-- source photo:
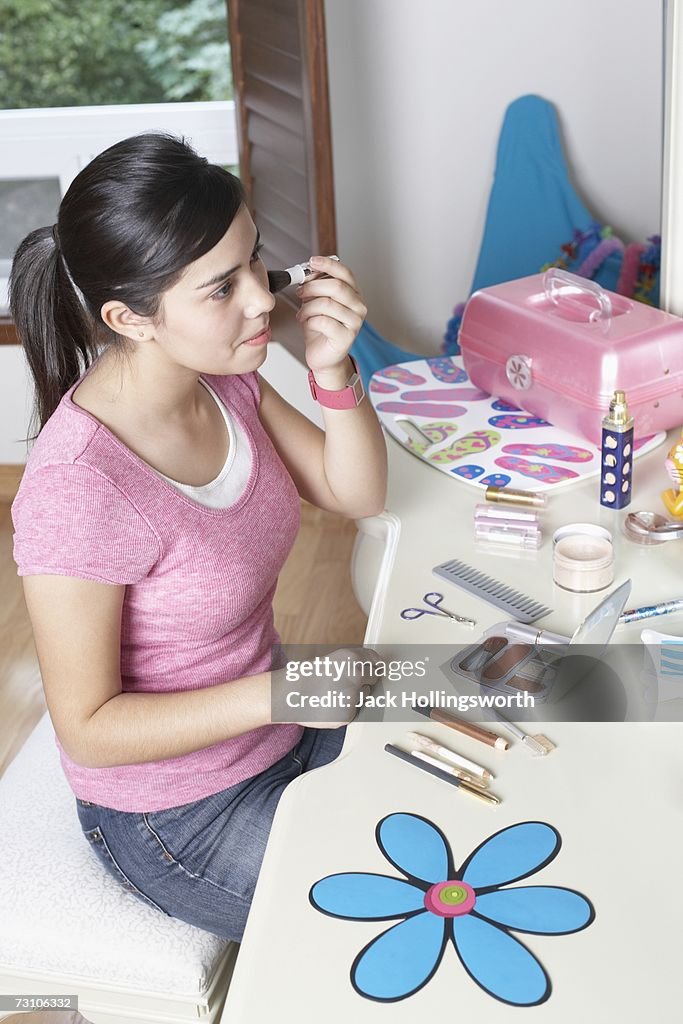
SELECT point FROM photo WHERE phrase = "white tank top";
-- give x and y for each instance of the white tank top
(230, 483)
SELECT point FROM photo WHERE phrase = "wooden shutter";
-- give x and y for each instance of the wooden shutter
(279, 60)
(8, 334)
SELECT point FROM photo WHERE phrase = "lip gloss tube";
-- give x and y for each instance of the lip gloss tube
(507, 526)
(509, 533)
(492, 513)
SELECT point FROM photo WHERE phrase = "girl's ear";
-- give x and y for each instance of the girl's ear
(122, 320)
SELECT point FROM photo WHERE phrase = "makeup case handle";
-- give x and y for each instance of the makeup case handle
(556, 283)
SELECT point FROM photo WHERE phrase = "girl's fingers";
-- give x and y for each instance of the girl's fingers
(334, 289)
(333, 330)
(328, 307)
(336, 269)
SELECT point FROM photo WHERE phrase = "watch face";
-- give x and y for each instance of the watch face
(356, 385)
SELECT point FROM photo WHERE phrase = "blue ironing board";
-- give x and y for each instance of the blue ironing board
(533, 207)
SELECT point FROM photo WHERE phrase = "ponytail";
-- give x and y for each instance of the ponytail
(130, 223)
(54, 329)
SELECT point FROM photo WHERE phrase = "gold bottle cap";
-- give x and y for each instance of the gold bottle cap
(618, 410)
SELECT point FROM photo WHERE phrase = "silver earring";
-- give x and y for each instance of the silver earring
(141, 334)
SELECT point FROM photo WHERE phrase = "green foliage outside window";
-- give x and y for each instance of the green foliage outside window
(67, 53)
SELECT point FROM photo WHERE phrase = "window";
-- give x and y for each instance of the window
(125, 66)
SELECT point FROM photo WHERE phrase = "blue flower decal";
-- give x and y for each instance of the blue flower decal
(470, 907)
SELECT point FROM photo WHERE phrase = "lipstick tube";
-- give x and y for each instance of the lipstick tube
(510, 496)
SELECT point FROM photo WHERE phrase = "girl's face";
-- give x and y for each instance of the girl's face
(210, 316)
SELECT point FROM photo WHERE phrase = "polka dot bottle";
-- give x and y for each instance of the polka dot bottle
(616, 454)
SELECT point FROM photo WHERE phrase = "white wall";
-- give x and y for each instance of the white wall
(418, 93)
(16, 397)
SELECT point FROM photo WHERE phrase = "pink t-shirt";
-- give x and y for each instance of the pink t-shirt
(199, 582)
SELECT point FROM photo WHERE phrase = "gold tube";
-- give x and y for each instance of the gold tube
(488, 798)
(509, 496)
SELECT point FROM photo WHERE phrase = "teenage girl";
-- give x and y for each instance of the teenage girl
(159, 503)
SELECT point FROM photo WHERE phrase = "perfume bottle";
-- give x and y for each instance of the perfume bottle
(616, 456)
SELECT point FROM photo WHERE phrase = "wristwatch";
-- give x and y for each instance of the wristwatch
(346, 398)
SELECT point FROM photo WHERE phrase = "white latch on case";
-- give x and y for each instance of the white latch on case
(518, 372)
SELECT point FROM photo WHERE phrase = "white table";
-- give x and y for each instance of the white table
(614, 791)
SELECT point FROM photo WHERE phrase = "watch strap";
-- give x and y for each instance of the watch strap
(347, 397)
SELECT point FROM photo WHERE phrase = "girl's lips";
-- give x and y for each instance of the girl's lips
(261, 339)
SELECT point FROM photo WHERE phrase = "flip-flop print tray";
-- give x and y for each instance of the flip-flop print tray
(431, 407)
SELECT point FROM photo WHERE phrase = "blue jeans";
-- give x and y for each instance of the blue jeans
(200, 862)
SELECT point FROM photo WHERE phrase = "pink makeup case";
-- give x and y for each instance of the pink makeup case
(559, 346)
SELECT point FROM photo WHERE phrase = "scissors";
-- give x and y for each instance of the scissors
(434, 601)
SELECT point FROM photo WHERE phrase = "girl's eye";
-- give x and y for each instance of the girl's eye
(223, 291)
(226, 288)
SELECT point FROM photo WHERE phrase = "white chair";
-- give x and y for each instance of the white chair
(67, 927)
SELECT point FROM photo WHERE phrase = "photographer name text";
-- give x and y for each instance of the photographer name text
(407, 699)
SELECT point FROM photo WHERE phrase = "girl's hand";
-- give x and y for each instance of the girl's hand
(356, 670)
(357, 680)
(332, 311)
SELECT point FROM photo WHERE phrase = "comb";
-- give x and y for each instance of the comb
(517, 605)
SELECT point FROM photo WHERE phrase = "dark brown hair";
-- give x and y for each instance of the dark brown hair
(129, 224)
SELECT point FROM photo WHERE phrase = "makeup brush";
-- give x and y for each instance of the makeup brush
(278, 280)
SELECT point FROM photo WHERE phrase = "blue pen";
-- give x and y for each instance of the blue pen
(650, 611)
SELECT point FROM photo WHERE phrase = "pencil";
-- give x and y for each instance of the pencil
(469, 780)
(475, 732)
(488, 798)
(449, 756)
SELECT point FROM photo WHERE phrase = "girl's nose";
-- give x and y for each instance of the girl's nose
(259, 301)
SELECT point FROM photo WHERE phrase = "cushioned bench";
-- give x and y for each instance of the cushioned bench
(66, 926)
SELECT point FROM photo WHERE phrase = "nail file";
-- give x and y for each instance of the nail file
(517, 605)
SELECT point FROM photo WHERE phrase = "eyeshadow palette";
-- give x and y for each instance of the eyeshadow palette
(508, 667)
(503, 662)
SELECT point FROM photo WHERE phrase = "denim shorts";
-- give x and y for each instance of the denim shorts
(200, 862)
